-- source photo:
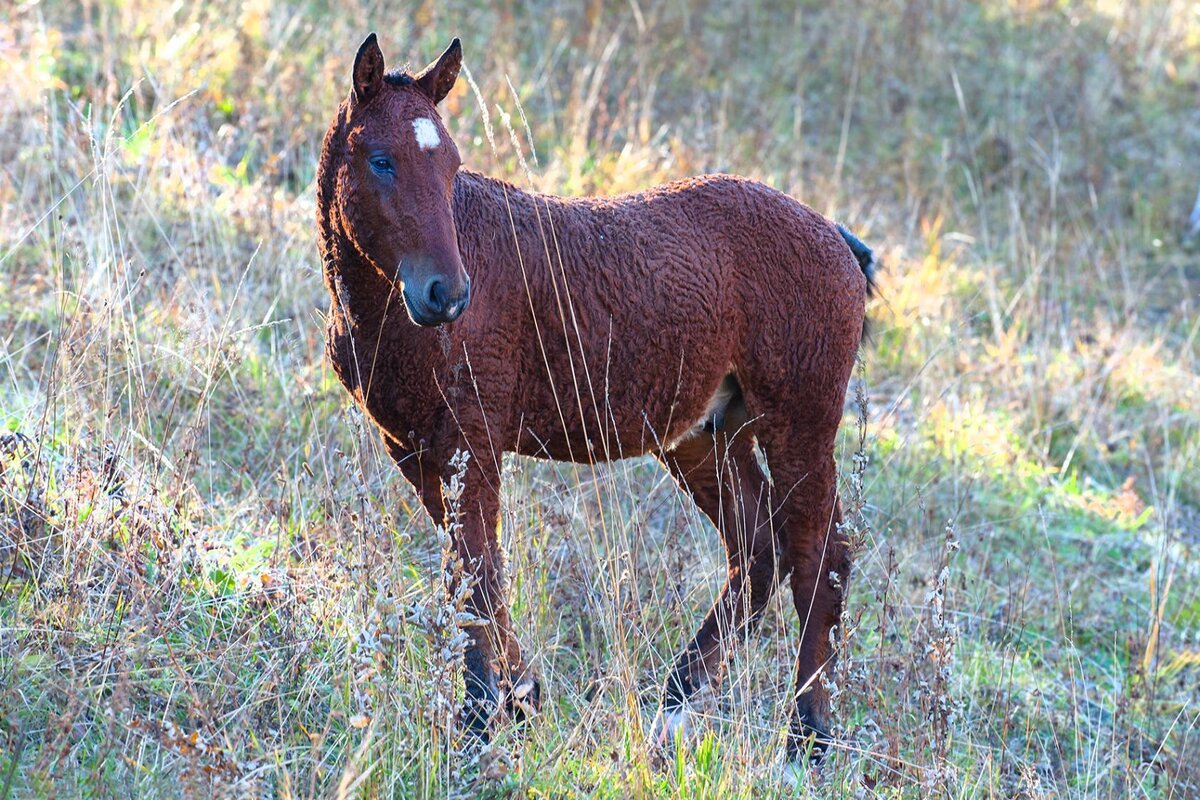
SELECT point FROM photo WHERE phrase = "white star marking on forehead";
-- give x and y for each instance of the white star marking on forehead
(427, 134)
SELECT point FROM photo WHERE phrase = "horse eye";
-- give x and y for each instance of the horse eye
(382, 165)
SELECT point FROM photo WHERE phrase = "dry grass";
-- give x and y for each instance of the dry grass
(212, 580)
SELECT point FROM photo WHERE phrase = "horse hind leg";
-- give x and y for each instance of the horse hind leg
(719, 470)
(818, 554)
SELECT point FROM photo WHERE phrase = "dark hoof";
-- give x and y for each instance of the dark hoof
(671, 729)
(475, 724)
(808, 740)
(524, 700)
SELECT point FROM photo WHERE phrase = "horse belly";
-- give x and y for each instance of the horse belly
(628, 410)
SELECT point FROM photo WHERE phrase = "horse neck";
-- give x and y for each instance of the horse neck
(484, 207)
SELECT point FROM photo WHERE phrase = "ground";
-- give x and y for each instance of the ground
(212, 580)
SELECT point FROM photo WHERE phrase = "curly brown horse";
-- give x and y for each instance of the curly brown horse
(694, 321)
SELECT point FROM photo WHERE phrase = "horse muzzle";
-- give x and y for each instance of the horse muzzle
(438, 301)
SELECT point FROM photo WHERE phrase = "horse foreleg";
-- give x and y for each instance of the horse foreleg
(494, 671)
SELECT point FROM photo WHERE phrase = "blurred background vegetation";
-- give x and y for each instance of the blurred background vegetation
(211, 580)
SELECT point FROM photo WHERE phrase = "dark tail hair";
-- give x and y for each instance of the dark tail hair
(865, 256)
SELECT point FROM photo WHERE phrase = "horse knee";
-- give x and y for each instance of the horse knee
(838, 575)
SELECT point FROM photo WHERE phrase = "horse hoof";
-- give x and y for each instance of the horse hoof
(795, 774)
(525, 700)
(808, 742)
(474, 733)
(670, 726)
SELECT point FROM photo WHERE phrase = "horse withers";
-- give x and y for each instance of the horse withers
(694, 321)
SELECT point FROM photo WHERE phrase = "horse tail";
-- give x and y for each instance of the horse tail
(864, 255)
(866, 262)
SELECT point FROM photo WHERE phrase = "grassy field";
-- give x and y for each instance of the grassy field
(212, 581)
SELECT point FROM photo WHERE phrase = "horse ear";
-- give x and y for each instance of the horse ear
(438, 78)
(368, 69)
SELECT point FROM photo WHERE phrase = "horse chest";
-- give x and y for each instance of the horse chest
(400, 394)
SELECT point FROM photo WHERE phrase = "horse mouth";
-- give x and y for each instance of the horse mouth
(428, 317)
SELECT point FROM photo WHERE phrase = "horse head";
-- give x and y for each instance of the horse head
(394, 177)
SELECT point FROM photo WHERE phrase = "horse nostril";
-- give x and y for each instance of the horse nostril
(437, 295)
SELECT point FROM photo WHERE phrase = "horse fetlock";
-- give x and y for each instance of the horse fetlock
(481, 696)
(687, 679)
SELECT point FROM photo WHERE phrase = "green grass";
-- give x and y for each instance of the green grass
(213, 581)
